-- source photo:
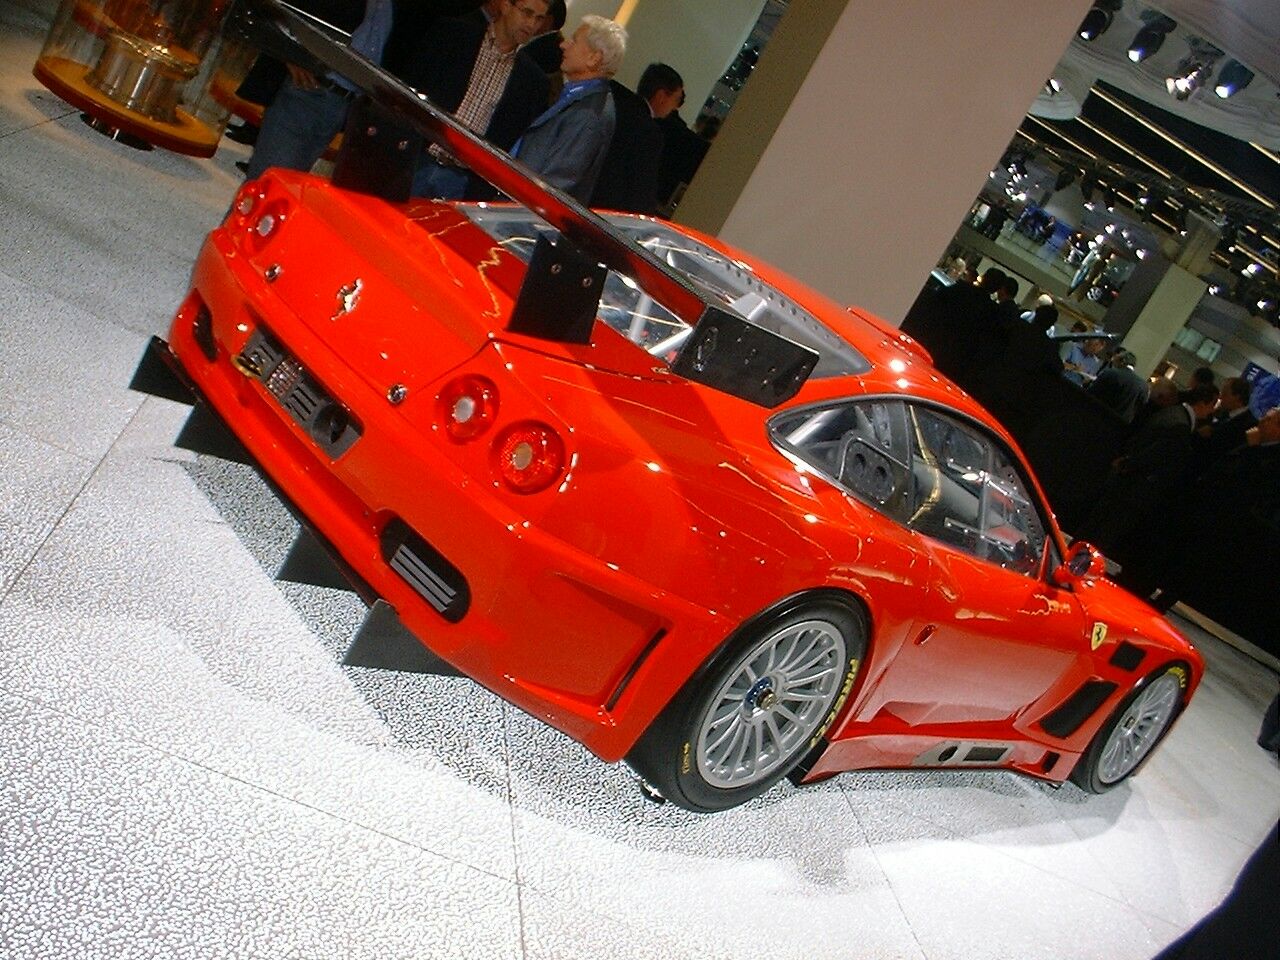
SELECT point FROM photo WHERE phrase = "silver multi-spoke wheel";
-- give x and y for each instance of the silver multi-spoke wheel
(772, 700)
(1139, 728)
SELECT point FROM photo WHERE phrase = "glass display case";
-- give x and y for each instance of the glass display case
(148, 72)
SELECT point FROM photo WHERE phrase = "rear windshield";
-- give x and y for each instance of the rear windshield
(634, 314)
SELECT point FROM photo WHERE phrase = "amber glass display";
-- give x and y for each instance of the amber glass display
(154, 70)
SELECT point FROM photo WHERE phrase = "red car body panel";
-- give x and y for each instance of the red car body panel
(676, 519)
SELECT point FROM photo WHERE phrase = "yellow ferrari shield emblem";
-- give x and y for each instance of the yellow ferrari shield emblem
(1098, 636)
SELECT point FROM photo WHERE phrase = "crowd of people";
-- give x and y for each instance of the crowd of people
(504, 70)
(1195, 465)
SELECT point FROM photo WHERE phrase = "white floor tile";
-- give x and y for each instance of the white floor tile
(38, 482)
(965, 900)
(112, 849)
(26, 103)
(65, 374)
(198, 652)
(790, 869)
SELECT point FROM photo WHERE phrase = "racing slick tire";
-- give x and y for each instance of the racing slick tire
(1132, 731)
(757, 708)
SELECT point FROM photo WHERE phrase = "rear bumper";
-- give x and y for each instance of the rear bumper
(589, 649)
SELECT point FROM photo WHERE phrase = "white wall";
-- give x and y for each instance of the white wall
(699, 38)
(863, 180)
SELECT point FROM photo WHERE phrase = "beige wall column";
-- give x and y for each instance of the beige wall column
(866, 131)
(1175, 297)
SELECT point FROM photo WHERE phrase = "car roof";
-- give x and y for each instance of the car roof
(898, 366)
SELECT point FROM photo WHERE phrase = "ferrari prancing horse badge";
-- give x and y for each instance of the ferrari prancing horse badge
(1098, 636)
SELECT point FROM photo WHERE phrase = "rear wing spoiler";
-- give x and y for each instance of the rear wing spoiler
(561, 292)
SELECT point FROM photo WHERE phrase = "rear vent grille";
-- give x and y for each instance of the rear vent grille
(424, 568)
(328, 422)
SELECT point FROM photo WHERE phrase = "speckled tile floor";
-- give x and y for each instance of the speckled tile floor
(185, 769)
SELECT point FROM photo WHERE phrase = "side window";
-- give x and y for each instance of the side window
(967, 492)
(862, 446)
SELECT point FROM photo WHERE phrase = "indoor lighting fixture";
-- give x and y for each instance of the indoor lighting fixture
(1191, 75)
(1151, 37)
(1233, 78)
(1193, 70)
(1098, 19)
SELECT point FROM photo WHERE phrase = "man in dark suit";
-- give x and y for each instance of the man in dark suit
(1227, 427)
(476, 71)
(1119, 386)
(629, 178)
(1145, 479)
(566, 145)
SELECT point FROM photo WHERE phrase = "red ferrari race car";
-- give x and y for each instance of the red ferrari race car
(652, 491)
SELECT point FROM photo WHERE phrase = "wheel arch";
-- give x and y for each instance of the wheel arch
(779, 608)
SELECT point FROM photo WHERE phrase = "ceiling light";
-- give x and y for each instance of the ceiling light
(1190, 76)
(1098, 19)
(1150, 38)
(1233, 78)
(1095, 24)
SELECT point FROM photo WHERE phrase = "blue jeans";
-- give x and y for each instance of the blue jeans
(437, 180)
(297, 128)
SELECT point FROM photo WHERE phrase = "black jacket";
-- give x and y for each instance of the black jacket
(629, 178)
(440, 66)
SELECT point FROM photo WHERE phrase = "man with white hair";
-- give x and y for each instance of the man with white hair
(567, 144)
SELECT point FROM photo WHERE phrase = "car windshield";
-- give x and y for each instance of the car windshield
(634, 314)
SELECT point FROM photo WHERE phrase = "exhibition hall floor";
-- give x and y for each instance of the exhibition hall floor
(186, 770)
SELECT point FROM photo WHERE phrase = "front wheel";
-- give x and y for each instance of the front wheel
(1132, 732)
(742, 723)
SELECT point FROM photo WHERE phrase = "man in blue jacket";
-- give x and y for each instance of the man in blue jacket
(566, 145)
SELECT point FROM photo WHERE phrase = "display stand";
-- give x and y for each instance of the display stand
(145, 73)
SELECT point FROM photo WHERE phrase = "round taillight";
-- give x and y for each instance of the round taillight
(467, 407)
(528, 456)
(266, 224)
(244, 206)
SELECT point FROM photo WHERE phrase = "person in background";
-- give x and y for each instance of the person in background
(545, 47)
(629, 178)
(1083, 360)
(1007, 302)
(476, 71)
(567, 143)
(1144, 480)
(308, 110)
(1227, 427)
(1044, 300)
(662, 88)
(682, 149)
(1119, 386)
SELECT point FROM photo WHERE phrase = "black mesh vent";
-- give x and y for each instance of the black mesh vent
(1127, 656)
(1078, 708)
(328, 422)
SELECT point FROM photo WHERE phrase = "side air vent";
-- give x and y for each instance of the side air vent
(426, 570)
(1127, 656)
(985, 754)
(1077, 708)
(964, 753)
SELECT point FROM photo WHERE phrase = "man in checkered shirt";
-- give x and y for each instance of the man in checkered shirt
(476, 71)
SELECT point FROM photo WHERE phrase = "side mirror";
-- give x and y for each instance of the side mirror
(1082, 560)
